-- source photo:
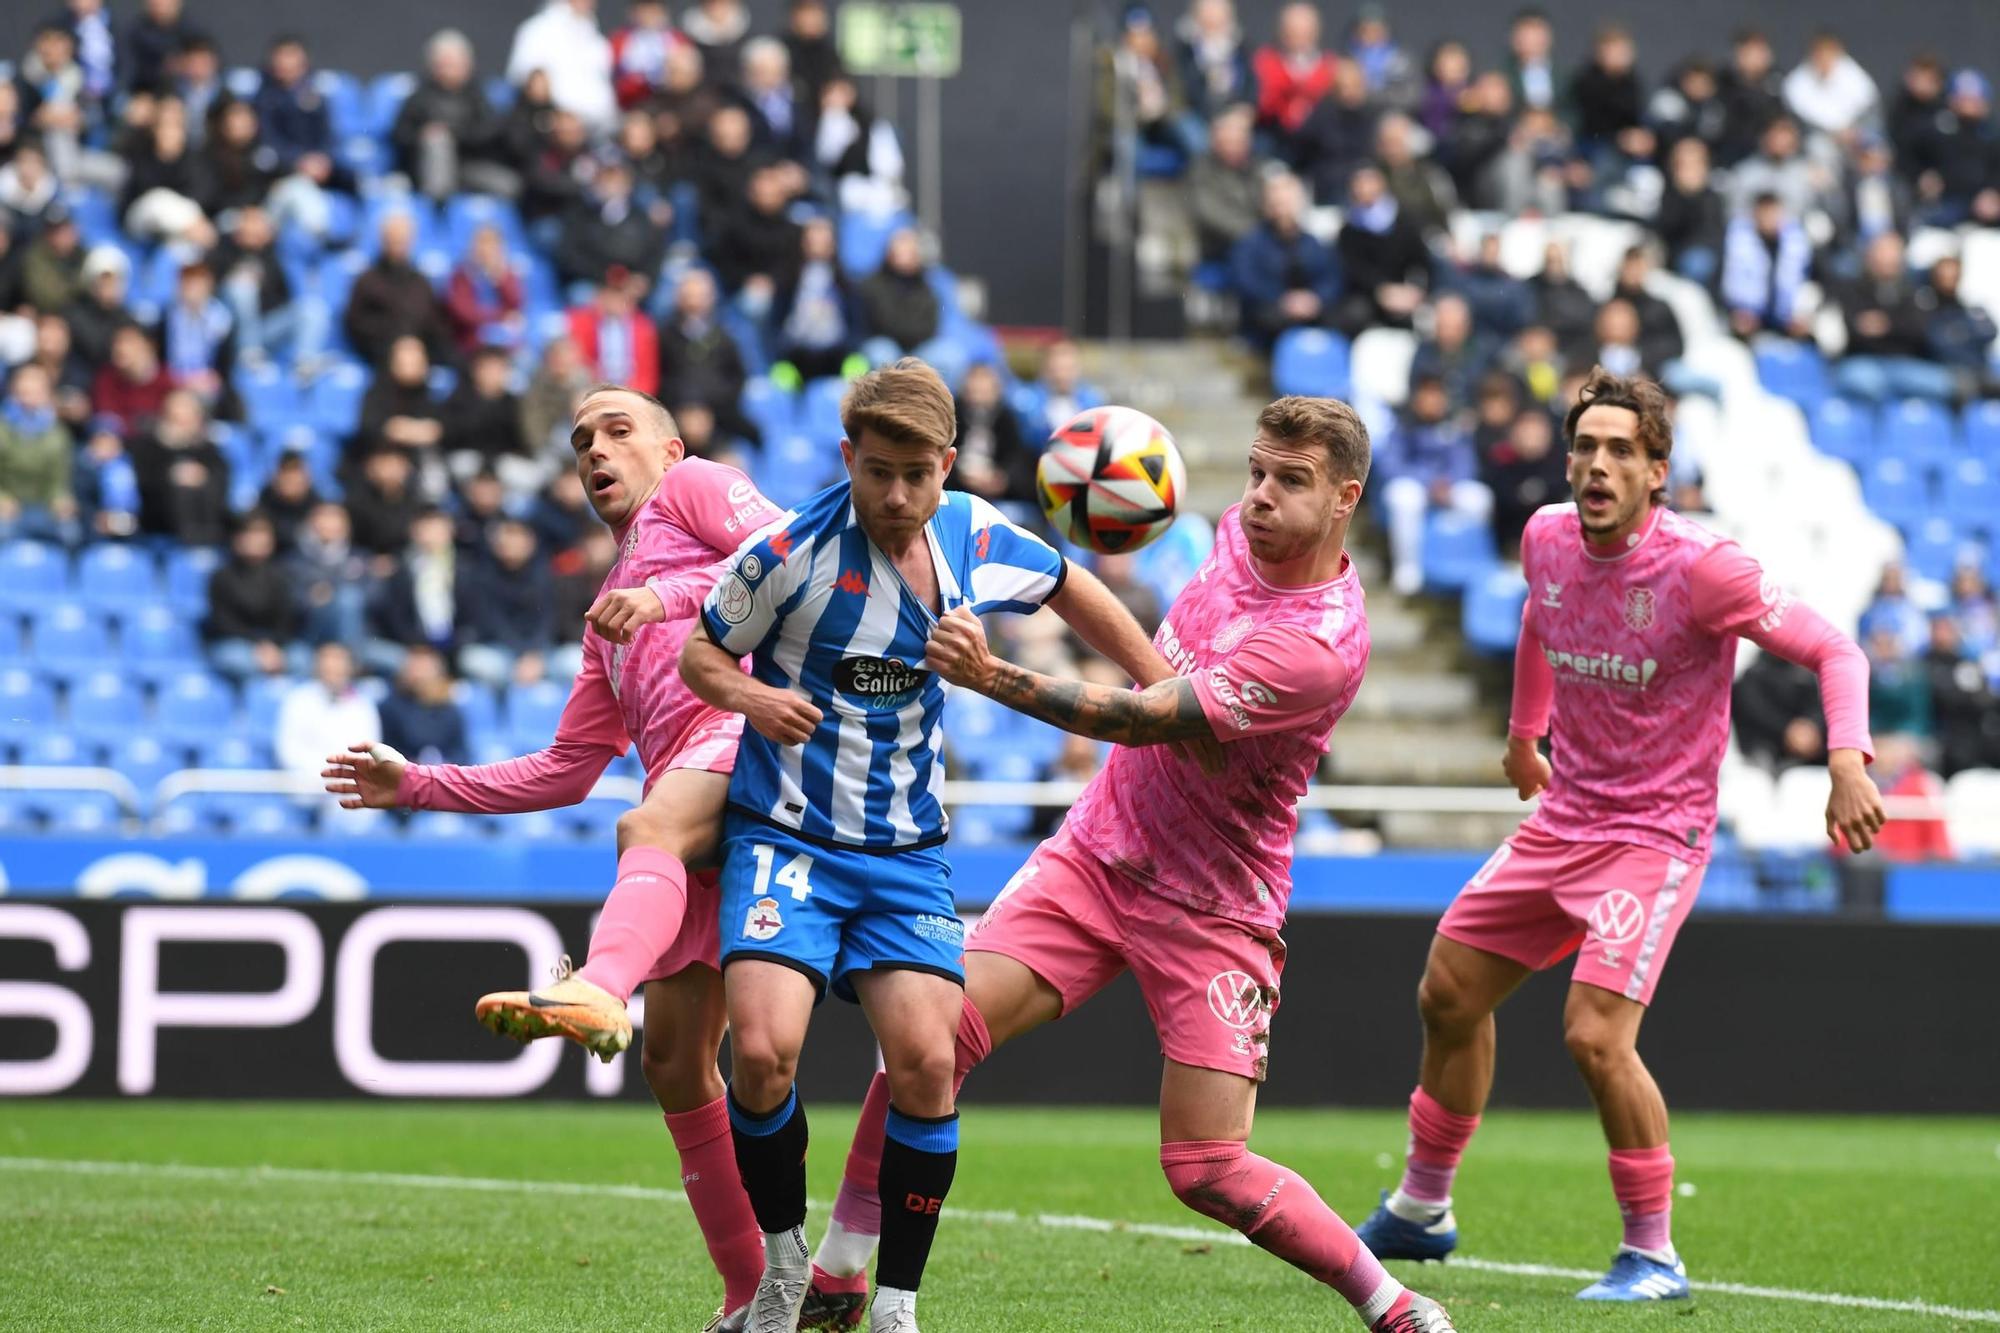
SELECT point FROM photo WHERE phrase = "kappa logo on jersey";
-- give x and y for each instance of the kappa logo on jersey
(1236, 999)
(1639, 607)
(1552, 595)
(732, 601)
(1615, 918)
(1604, 668)
(780, 544)
(1233, 634)
(985, 542)
(851, 581)
(885, 682)
(763, 921)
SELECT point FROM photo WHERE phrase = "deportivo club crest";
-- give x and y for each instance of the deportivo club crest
(1639, 607)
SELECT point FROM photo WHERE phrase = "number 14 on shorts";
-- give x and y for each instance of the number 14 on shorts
(795, 874)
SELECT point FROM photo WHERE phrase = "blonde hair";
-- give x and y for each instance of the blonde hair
(906, 403)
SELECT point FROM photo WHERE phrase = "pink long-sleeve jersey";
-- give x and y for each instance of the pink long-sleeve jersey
(625, 693)
(1636, 650)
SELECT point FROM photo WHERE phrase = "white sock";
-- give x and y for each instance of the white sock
(786, 1249)
(844, 1253)
(890, 1298)
(1666, 1256)
(1424, 1211)
(1378, 1305)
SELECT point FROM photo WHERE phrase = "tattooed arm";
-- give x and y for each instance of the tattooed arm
(1163, 712)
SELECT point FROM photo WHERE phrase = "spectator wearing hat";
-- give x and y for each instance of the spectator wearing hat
(52, 264)
(105, 277)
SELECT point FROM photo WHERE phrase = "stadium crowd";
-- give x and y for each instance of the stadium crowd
(1789, 193)
(316, 342)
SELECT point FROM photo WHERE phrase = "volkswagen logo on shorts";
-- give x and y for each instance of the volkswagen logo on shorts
(1235, 998)
(1614, 918)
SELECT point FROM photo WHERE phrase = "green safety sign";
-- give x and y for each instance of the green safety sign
(917, 41)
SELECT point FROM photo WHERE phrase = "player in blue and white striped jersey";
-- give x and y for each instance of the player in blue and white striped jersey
(832, 870)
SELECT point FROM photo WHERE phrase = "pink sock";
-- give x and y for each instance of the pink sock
(1437, 1140)
(640, 920)
(858, 1206)
(1643, 1181)
(975, 1043)
(715, 1192)
(1281, 1213)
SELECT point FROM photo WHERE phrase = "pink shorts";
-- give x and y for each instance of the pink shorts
(1210, 983)
(1619, 906)
(709, 747)
(700, 940)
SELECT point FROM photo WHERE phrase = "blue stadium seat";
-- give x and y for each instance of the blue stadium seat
(144, 760)
(111, 576)
(266, 815)
(188, 572)
(197, 812)
(532, 713)
(1972, 495)
(951, 353)
(27, 703)
(386, 95)
(1311, 362)
(1793, 370)
(194, 706)
(262, 697)
(95, 213)
(335, 402)
(447, 825)
(104, 705)
(338, 271)
(236, 752)
(12, 636)
(1896, 490)
(794, 466)
(82, 812)
(376, 209)
(465, 214)
(1981, 424)
(31, 573)
(594, 819)
(819, 411)
(346, 101)
(157, 280)
(159, 643)
(270, 398)
(864, 240)
(1931, 548)
(774, 411)
(18, 814)
(57, 749)
(478, 704)
(1919, 430)
(1458, 551)
(1492, 612)
(68, 639)
(1845, 429)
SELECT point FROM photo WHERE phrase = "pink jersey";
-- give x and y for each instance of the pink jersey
(1637, 651)
(625, 692)
(1274, 669)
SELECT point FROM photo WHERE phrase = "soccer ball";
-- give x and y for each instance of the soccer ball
(1111, 479)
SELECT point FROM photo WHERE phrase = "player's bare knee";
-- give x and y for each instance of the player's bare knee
(643, 826)
(1441, 1002)
(1597, 1047)
(920, 1082)
(758, 1069)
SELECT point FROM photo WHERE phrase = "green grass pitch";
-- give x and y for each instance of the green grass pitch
(568, 1220)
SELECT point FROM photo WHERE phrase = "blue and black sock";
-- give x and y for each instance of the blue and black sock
(771, 1155)
(919, 1157)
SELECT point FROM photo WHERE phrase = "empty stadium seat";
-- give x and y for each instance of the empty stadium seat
(1981, 428)
(18, 815)
(31, 573)
(1919, 430)
(236, 752)
(1457, 550)
(1972, 495)
(465, 214)
(1896, 490)
(1311, 362)
(793, 467)
(864, 240)
(1491, 614)
(111, 575)
(819, 411)
(1793, 370)
(158, 642)
(1931, 548)
(262, 697)
(13, 638)
(188, 571)
(83, 813)
(532, 712)
(446, 825)
(194, 706)
(270, 398)
(1844, 429)
(265, 815)
(197, 812)
(69, 639)
(27, 703)
(105, 705)
(774, 411)
(56, 749)
(144, 760)
(334, 405)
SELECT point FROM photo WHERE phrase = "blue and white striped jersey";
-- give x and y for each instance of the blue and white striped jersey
(821, 611)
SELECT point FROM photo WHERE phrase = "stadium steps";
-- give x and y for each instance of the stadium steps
(1404, 751)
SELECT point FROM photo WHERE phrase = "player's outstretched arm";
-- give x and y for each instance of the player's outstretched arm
(1102, 621)
(718, 680)
(1162, 712)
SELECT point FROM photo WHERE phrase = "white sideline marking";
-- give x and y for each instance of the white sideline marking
(995, 1216)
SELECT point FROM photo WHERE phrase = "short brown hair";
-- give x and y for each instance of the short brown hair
(907, 403)
(1636, 394)
(1327, 422)
(666, 419)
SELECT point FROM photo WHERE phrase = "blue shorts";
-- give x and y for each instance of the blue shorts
(830, 912)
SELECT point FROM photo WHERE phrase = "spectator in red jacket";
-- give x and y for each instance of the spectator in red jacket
(483, 299)
(129, 391)
(639, 51)
(1900, 769)
(614, 337)
(1295, 74)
